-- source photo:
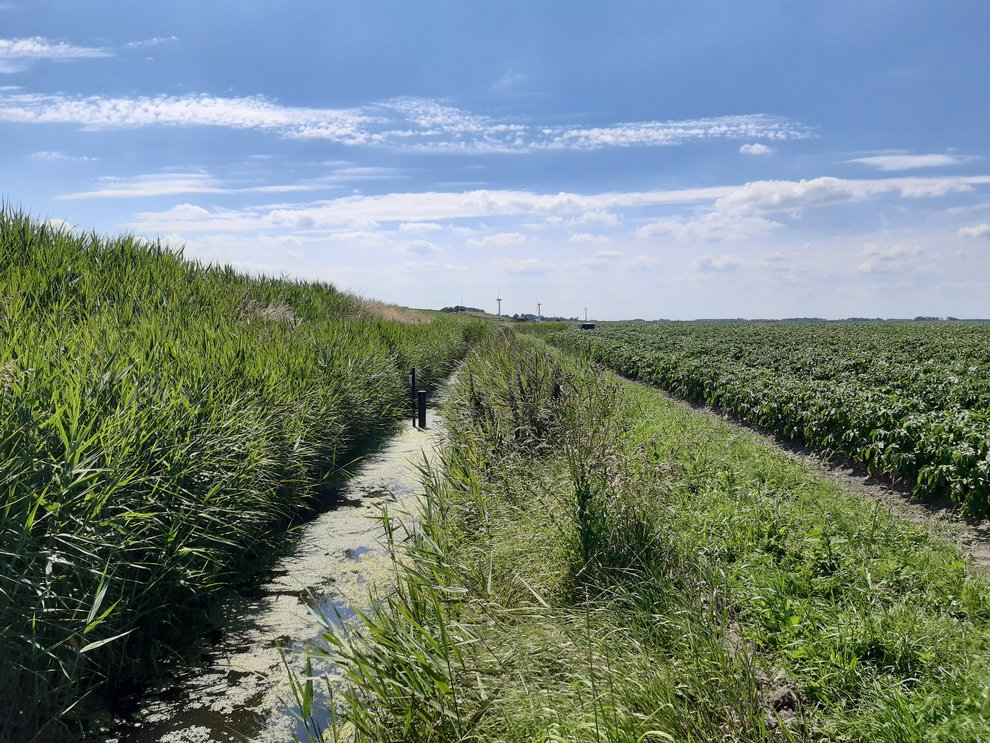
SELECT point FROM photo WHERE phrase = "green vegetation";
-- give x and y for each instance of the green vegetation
(911, 400)
(597, 562)
(159, 421)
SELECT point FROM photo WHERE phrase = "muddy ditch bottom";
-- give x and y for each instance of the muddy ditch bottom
(240, 689)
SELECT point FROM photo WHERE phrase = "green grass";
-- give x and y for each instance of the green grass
(598, 562)
(160, 420)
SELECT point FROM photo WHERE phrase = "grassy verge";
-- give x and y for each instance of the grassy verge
(600, 563)
(159, 421)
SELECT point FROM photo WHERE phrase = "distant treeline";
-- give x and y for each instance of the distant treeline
(526, 317)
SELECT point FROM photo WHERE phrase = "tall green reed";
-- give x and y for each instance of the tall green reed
(160, 420)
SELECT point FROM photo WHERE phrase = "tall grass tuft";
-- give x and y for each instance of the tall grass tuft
(160, 419)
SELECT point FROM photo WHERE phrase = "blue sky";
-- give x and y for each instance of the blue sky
(644, 159)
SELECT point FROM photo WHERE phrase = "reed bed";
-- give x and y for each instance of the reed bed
(160, 420)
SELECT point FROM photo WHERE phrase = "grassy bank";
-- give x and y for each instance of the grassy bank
(600, 563)
(159, 420)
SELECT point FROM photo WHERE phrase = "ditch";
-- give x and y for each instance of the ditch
(240, 689)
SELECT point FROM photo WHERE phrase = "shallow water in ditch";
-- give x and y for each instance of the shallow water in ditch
(240, 690)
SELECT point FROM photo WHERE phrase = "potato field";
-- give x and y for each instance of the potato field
(910, 399)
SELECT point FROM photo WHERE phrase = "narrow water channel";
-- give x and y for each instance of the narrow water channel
(240, 691)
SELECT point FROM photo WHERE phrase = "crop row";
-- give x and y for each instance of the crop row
(911, 400)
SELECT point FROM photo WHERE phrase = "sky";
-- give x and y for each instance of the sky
(644, 159)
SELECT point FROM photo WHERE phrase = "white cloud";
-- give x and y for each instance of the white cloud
(770, 196)
(500, 239)
(56, 156)
(584, 238)
(602, 216)
(980, 230)
(235, 113)
(400, 123)
(156, 41)
(899, 250)
(711, 226)
(756, 149)
(719, 263)
(659, 133)
(18, 54)
(170, 184)
(165, 184)
(883, 259)
(429, 206)
(735, 205)
(420, 227)
(911, 162)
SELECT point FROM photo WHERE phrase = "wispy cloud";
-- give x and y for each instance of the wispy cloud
(402, 123)
(586, 238)
(57, 156)
(601, 216)
(912, 162)
(711, 226)
(165, 184)
(428, 206)
(756, 149)
(772, 196)
(741, 212)
(420, 227)
(100, 112)
(717, 263)
(17, 55)
(980, 230)
(897, 258)
(657, 133)
(733, 212)
(171, 184)
(500, 239)
(156, 41)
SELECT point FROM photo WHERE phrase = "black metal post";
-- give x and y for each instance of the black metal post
(412, 392)
(422, 408)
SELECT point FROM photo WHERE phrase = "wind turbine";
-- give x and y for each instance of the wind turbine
(499, 300)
